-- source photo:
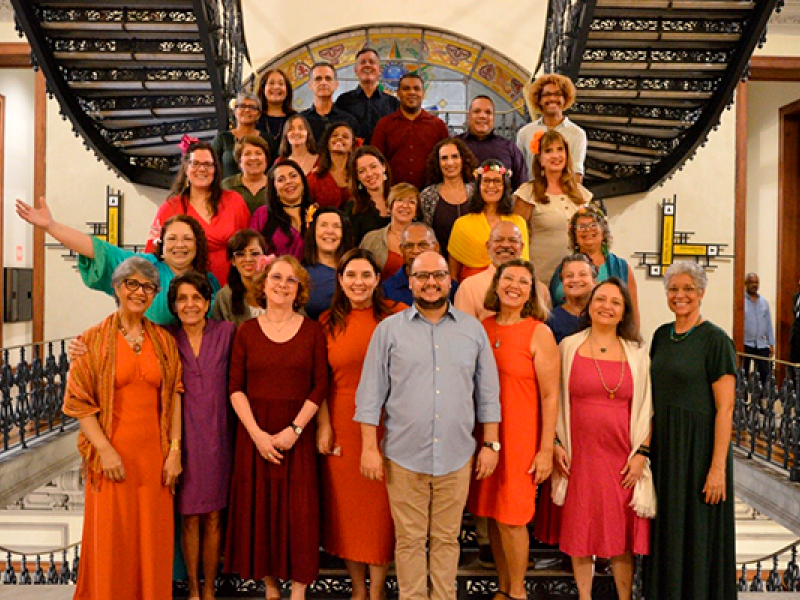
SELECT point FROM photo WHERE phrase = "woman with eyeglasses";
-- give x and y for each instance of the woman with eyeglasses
(182, 246)
(384, 243)
(246, 113)
(360, 532)
(328, 238)
(549, 200)
(238, 301)
(490, 203)
(278, 379)
(197, 192)
(590, 234)
(124, 390)
(693, 368)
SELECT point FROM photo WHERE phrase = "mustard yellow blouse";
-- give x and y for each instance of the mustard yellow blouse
(470, 234)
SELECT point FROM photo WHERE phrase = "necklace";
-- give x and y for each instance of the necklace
(679, 337)
(274, 323)
(135, 343)
(611, 393)
(497, 336)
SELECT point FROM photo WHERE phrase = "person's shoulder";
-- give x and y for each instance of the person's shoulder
(714, 331)
(465, 320)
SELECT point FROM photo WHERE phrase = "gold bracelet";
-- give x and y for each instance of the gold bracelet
(175, 444)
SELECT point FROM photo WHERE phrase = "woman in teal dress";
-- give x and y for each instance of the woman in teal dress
(181, 247)
(693, 371)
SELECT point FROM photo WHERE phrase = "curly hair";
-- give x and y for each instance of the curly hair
(325, 162)
(532, 308)
(197, 280)
(238, 242)
(277, 217)
(506, 204)
(310, 251)
(251, 140)
(285, 149)
(360, 194)
(626, 328)
(533, 91)
(594, 213)
(340, 305)
(200, 261)
(303, 282)
(433, 167)
(181, 186)
(568, 183)
(286, 105)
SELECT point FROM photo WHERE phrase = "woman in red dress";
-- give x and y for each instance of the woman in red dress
(278, 378)
(361, 532)
(527, 362)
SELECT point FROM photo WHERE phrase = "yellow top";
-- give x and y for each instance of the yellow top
(470, 234)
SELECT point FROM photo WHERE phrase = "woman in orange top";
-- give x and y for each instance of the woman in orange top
(125, 393)
(357, 523)
(528, 365)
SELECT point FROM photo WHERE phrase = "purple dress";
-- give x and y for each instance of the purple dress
(209, 423)
(283, 244)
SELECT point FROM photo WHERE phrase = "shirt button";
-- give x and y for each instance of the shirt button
(437, 368)
(437, 416)
(436, 346)
(438, 392)
(435, 439)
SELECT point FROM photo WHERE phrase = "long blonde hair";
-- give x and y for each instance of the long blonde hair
(568, 183)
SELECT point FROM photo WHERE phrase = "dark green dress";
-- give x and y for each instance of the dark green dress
(693, 543)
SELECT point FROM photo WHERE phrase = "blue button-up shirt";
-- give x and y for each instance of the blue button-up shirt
(431, 382)
(758, 331)
(396, 288)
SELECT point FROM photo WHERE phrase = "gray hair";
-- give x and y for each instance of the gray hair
(133, 265)
(422, 224)
(690, 268)
(248, 96)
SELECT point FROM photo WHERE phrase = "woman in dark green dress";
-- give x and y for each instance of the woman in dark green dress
(693, 367)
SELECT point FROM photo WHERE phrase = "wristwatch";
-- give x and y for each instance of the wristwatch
(296, 428)
(493, 445)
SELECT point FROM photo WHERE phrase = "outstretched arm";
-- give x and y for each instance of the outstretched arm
(41, 217)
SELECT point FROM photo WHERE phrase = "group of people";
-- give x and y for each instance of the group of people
(347, 362)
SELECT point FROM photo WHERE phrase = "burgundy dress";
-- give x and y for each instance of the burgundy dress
(208, 420)
(597, 519)
(273, 521)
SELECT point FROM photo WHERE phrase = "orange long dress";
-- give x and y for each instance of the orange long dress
(128, 526)
(509, 495)
(356, 521)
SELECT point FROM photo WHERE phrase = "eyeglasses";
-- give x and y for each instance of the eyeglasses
(196, 164)
(423, 245)
(505, 240)
(408, 201)
(423, 276)
(491, 182)
(587, 226)
(247, 107)
(133, 284)
(687, 289)
(558, 94)
(248, 253)
(524, 281)
(277, 279)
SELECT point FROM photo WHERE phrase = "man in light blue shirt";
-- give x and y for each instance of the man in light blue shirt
(759, 337)
(430, 373)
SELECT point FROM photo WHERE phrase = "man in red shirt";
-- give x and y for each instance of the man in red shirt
(407, 136)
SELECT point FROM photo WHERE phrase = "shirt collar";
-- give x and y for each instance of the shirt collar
(413, 312)
(470, 136)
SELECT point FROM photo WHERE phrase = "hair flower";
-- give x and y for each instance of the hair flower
(310, 213)
(186, 141)
(483, 169)
(264, 261)
(536, 141)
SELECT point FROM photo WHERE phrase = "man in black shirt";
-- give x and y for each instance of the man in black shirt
(368, 102)
(323, 84)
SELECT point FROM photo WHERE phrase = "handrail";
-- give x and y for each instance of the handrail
(53, 341)
(783, 550)
(53, 551)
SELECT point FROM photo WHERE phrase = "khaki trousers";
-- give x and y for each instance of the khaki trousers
(426, 506)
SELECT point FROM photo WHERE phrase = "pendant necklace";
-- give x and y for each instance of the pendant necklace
(135, 343)
(497, 336)
(612, 393)
(679, 337)
(273, 323)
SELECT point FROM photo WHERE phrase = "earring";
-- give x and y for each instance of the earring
(360, 185)
(385, 177)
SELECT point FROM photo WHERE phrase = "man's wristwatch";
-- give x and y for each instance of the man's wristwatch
(493, 445)
(296, 428)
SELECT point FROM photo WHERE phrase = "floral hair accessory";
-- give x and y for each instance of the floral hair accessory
(483, 169)
(186, 141)
(536, 142)
(310, 213)
(264, 261)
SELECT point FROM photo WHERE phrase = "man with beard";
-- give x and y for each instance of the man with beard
(504, 244)
(430, 372)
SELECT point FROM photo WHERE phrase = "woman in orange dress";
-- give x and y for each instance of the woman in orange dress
(356, 521)
(528, 365)
(125, 393)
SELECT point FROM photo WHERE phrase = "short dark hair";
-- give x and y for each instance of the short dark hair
(252, 140)
(321, 64)
(410, 75)
(197, 280)
(367, 49)
(481, 97)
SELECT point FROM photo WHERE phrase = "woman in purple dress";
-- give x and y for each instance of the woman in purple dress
(208, 426)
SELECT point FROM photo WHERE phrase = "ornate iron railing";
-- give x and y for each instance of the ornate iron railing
(565, 37)
(788, 581)
(58, 572)
(32, 382)
(766, 417)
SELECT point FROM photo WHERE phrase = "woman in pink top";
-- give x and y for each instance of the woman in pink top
(197, 192)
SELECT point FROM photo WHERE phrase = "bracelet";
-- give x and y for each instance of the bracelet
(644, 451)
(557, 442)
(175, 444)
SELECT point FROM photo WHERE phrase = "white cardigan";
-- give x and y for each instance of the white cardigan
(644, 495)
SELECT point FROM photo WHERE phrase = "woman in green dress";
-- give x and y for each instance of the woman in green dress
(693, 369)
